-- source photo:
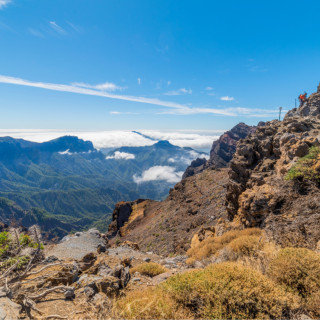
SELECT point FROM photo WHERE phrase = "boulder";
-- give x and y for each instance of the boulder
(9, 309)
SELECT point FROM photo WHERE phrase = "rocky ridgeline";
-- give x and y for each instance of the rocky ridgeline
(222, 150)
(258, 193)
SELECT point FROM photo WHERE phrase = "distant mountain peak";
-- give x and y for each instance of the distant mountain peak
(71, 143)
(164, 144)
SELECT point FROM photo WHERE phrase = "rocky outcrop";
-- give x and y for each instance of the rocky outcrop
(195, 167)
(120, 216)
(308, 108)
(258, 193)
(222, 150)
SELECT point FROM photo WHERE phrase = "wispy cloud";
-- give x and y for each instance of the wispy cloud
(209, 88)
(107, 86)
(139, 81)
(227, 98)
(232, 112)
(179, 92)
(176, 108)
(56, 27)
(258, 69)
(122, 112)
(254, 67)
(74, 27)
(87, 91)
(4, 3)
(36, 33)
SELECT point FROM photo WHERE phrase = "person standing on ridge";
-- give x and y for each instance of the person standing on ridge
(302, 98)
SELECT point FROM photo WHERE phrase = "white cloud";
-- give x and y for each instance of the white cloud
(65, 152)
(120, 112)
(209, 88)
(121, 156)
(56, 27)
(227, 98)
(139, 81)
(179, 92)
(168, 83)
(4, 3)
(201, 140)
(188, 159)
(195, 140)
(107, 86)
(159, 173)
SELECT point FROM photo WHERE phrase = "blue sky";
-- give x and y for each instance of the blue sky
(147, 64)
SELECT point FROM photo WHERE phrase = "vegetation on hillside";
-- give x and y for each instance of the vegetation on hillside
(235, 243)
(14, 253)
(307, 168)
(150, 269)
(250, 278)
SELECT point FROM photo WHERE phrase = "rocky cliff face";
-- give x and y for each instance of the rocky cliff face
(222, 150)
(168, 226)
(253, 192)
(258, 193)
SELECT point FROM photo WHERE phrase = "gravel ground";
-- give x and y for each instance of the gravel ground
(76, 246)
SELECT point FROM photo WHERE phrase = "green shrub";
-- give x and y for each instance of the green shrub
(150, 269)
(297, 269)
(308, 167)
(230, 291)
(22, 261)
(4, 243)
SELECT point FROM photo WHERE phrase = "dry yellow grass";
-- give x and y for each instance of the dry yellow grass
(149, 304)
(239, 241)
(298, 270)
(150, 269)
(220, 291)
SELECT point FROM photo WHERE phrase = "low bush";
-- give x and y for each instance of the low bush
(238, 240)
(307, 168)
(148, 304)
(150, 269)
(11, 248)
(246, 245)
(297, 269)
(230, 291)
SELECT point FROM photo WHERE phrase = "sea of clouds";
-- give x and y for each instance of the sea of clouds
(196, 139)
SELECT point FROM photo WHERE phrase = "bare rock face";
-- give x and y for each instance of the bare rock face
(258, 194)
(195, 167)
(120, 216)
(222, 150)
